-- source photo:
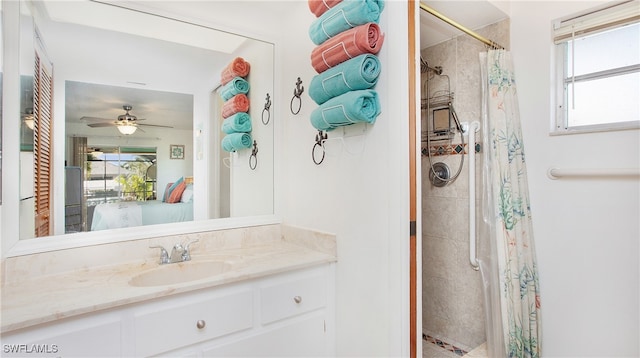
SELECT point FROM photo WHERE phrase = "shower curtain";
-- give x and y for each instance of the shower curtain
(508, 213)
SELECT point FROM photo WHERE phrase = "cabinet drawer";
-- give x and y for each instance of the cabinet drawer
(182, 322)
(293, 296)
(93, 336)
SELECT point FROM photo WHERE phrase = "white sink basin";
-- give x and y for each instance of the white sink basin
(179, 272)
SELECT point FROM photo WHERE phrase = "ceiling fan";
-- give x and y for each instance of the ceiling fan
(126, 123)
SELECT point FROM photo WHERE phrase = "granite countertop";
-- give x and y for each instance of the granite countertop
(88, 290)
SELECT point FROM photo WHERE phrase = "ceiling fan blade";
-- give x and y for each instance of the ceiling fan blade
(154, 125)
(104, 124)
(85, 118)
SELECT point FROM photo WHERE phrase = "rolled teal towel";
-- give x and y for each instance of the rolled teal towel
(236, 86)
(236, 141)
(358, 73)
(349, 108)
(237, 123)
(345, 15)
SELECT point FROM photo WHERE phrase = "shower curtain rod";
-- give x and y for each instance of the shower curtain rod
(486, 41)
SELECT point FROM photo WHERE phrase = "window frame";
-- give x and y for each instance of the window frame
(560, 123)
(117, 150)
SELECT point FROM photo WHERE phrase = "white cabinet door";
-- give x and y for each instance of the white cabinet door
(93, 336)
(304, 338)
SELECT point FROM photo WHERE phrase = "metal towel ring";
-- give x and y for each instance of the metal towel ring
(267, 109)
(321, 137)
(253, 159)
(297, 92)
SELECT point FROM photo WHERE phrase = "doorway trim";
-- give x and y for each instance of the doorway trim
(415, 317)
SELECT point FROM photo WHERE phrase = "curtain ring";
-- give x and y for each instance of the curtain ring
(297, 92)
(320, 138)
(253, 159)
(267, 109)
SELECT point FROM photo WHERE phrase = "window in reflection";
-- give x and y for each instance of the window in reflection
(110, 175)
(120, 174)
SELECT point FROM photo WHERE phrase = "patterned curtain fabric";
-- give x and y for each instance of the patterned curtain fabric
(509, 209)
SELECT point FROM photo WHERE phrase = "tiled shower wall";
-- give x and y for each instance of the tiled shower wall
(452, 301)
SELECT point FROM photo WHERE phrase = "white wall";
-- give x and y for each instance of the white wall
(251, 191)
(10, 129)
(586, 231)
(361, 197)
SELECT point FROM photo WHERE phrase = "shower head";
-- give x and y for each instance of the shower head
(424, 67)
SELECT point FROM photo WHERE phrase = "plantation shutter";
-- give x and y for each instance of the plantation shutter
(42, 145)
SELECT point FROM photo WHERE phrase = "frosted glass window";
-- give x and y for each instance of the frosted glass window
(604, 51)
(598, 73)
(597, 101)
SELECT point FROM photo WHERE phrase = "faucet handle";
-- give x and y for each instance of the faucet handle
(186, 246)
(164, 255)
(186, 254)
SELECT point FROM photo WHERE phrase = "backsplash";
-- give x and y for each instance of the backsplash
(448, 149)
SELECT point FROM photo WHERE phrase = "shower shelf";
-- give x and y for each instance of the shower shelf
(430, 136)
(439, 99)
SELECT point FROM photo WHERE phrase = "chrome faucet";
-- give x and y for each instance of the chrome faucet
(179, 253)
(164, 255)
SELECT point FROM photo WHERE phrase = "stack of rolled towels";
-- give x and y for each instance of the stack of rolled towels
(235, 111)
(348, 37)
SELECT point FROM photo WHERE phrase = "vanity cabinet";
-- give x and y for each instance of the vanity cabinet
(95, 335)
(290, 314)
(285, 314)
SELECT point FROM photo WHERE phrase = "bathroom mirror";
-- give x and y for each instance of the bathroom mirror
(109, 61)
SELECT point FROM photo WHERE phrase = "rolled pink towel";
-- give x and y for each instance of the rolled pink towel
(319, 7)
(237, 103)
(237, 68)
(367, 38)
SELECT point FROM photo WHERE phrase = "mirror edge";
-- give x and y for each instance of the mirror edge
(18, 247)
(11, 129)
(70, 241)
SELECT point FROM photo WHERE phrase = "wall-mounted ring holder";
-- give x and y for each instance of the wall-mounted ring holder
(253, 159)
(267, 110)
(297, 92)
(321, 137)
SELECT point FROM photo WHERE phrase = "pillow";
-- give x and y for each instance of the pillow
(187, 195)
(166, 192)
(176, 194)
(171, 188)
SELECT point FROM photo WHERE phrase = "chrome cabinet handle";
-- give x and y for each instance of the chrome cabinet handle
(200, 324)
(297, 299)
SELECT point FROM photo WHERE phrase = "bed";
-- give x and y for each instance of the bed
(138, 213)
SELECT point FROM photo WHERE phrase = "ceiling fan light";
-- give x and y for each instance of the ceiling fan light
(127, 129)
